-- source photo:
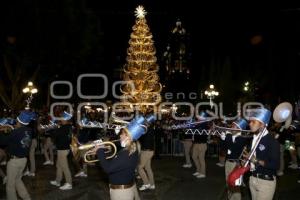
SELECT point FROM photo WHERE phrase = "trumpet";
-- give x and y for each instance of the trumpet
(89, 150)
(6, 124)
(6, 128)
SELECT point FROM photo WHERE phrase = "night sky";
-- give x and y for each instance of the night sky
(261, 44)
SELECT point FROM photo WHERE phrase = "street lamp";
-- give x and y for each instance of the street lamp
(246, 87)
(29, 89)
(211, 93)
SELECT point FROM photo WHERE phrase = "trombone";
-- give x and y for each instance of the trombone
(218, 131)
(6, 124)
(227, 130)
(89, 150)
(6, 127)
(282, 113)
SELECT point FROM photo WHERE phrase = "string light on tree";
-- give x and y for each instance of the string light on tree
(140, 70)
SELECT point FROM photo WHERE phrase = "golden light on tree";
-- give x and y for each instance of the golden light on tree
(141, 69)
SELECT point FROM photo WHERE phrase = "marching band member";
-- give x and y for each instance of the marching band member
(83, 138)
(295, 129)
(62, 138)
(187, 144)
(265, 161)
(281, 133)
(48, 147)
(199, 148)
(18, 143)
(121, 169)
(234, 143)
(147, 152)
(33, 147)
(3, 155)
(222, 149)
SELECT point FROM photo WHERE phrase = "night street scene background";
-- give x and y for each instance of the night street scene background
(178, 54)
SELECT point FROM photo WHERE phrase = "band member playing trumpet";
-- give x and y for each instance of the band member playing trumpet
(265, 161)
(18, 143)
(234, 144)
(121, 168)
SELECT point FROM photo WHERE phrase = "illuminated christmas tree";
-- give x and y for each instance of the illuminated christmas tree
(141, 69)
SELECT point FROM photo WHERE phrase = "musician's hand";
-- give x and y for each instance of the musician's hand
(240, 164)
(254, 160)
(245, 154)
(261, 162)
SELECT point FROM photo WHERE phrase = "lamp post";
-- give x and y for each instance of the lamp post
(211, 93)
(246, 86)
(248, 90)
(31, 90)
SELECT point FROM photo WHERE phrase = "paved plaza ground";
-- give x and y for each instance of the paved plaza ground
(172, 183)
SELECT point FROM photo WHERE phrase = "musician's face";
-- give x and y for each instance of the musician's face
(235, 127)
(124, 139)
(255, 125)
(123, 136)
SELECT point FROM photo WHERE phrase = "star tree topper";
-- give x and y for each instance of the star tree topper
(140, 12)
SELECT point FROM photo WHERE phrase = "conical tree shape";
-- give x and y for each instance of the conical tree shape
(141, 69)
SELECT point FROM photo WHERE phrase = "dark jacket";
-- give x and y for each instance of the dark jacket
(63, 137)
(83, 135)
(147, 140)
(121, 168)
(18, 142)
(235, 149)
(268, 150)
